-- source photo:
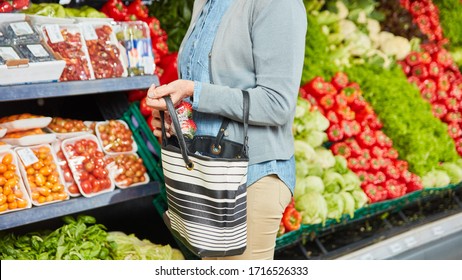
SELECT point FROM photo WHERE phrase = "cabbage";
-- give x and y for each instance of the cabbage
(360, 198)
(325, 157)
(333, 181)
(436, 178)
(315, 169)
(335, 205)
(348, 204)
(129, 247)
(316, 138)
(304, 155)
(313, 207)
(352, 181)
(341, 164)
(453, 170)
(310, 183)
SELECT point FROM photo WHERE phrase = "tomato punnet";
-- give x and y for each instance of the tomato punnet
(129, 170)
(115, 136)
(11, 196)
(86, 161)
(65, 125)
(43, 177)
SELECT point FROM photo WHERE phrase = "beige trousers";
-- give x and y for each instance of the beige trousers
(266, 201)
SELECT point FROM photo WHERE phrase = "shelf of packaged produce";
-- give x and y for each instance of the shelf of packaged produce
(75, 205)
(60, 89)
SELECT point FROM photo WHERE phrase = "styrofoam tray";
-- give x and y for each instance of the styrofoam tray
(22, 188)
(24, 174)
(72, 161)
(31, 140)
(106, 149)
(67, 134)
(56, 146)
(25, 124)
(114, 171)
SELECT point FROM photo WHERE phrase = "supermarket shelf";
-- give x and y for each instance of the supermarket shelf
(75, 205)
(60, 89)
(414, 239)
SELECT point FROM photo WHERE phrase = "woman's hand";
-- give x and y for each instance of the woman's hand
(178, 90)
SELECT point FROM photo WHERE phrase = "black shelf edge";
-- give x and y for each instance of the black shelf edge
(75, 205)
(60, 89)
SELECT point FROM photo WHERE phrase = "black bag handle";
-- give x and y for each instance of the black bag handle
(181, 140)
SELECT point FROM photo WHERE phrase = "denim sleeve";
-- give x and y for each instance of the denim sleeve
(196, 95)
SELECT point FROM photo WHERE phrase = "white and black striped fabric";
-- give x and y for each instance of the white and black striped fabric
(206, 186)
(207, 205)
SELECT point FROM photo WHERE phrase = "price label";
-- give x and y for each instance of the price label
(38, 50)
(8, 53)
(21, 28)
(367, 256)
(27, 156)
(438, 231)
(410, 242)
(54, 33)
(396, 248)
(89, 32)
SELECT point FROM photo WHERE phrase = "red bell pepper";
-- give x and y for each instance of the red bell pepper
(428, 95)
(452, 104)
(115, 9)
(443, 58)
(138, 9)
(335, 133)
(391, 153)
(341, 148)
(327, 102)
(419, 71)
(366, 139)
(453, 117)
(339, 80)
(292, 219)
(380, 178)
(392, 172)
(145, 110)
(316, 87)
(439, 110)
(413, 58)
(434, 70)
(373, 193)
(382, 139)
(454, 130)
(346, 113)
(354, 147)
(6, 7)
(136, 94)
(332, 117)
(394, 189)
(375, 165)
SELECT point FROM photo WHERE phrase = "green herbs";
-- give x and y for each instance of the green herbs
(80, 239)
(420, 138)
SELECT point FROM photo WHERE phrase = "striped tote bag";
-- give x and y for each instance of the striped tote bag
(206, 184)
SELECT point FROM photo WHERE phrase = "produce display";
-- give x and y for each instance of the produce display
(13, 195)
(41, 175)
(67, 41)
(128, 170)
(378, 119)
(115, 137)
(86, 160)
(82, 238)
(104, 52)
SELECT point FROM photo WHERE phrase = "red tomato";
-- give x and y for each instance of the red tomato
(86, 186)
(144, 108)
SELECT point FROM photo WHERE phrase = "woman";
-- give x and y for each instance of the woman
(258, 46)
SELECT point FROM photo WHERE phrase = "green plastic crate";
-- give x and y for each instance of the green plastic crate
(148, 146)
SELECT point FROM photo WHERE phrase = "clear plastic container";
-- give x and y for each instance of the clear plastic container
(87, 162)
(128, 170)
(69, 182)
(67, 43)
(43, 178)
(115, 137)
(19, 32)
(8, 53)
(35, 52)
(13, 195)
(135, 38)
(24, 121)
(104, 50)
